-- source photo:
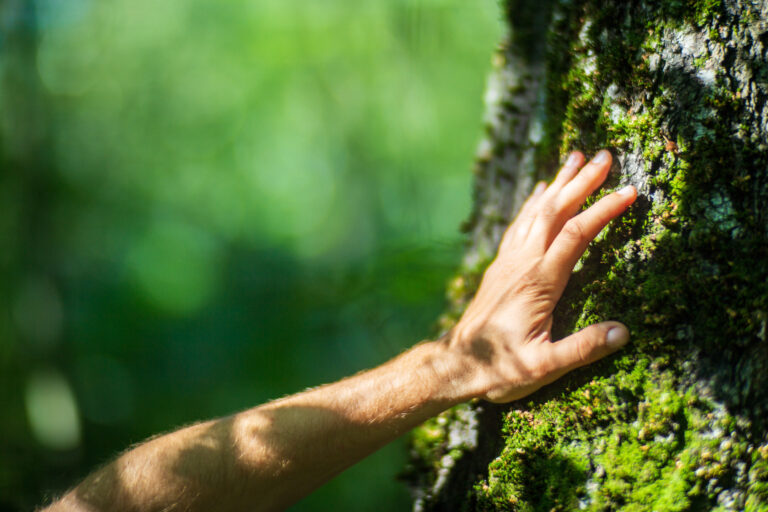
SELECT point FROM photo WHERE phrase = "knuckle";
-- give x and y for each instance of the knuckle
(582, 350)
(542, 370)
(539, 364)
(509, 237)
(573, 230)
(588, 344)
(548, 210)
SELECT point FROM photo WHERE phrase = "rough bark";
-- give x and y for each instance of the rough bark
(678, 421)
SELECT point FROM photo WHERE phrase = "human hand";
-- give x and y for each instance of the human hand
(506, 330)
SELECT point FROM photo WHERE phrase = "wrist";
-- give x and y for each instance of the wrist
(456, 378)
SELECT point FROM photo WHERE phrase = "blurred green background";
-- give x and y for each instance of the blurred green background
(207, 204)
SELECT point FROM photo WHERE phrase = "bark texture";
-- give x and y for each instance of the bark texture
(678, 421)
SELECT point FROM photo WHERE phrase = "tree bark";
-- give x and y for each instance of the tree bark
(677, 421)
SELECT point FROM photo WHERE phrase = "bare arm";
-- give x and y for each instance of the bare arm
(268, 457)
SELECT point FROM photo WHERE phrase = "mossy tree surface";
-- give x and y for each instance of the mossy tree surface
(679, 420)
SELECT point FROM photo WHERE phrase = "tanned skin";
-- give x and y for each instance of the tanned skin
(269, 457)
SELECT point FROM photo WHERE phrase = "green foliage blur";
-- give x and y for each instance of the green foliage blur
(207, 204)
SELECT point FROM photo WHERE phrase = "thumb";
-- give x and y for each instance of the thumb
(587, 346)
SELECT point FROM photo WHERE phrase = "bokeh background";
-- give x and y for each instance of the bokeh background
(207, 204)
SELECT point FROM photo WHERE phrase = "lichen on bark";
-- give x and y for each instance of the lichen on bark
(678, 91)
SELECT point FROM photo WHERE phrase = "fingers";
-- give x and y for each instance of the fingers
(569, 170)
(521, 225)
(562, 202)
(585, 182)
(584, 347)
(580, 230)
(532, 199)
(522, 220)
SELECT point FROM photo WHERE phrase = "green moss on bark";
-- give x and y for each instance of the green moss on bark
(677, 421)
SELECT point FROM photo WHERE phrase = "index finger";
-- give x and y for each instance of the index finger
(564, 201)
(578, 232)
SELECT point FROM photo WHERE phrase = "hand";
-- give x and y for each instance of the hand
(501, 349)
(506, 329)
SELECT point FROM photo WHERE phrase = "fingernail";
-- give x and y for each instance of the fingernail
(601, 157)
(617, 337)
(573, 158)
(626, 191)
(540, 187)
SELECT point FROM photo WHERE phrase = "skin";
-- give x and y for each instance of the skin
(269, 457)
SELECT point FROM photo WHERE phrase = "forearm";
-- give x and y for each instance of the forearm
(319, 433)
(268, 457)
(501, 349)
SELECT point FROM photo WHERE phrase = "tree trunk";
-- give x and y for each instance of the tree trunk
(677, 421)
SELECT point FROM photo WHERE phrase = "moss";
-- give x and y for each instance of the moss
(678, 421)
(628, 439)
(686, 272)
